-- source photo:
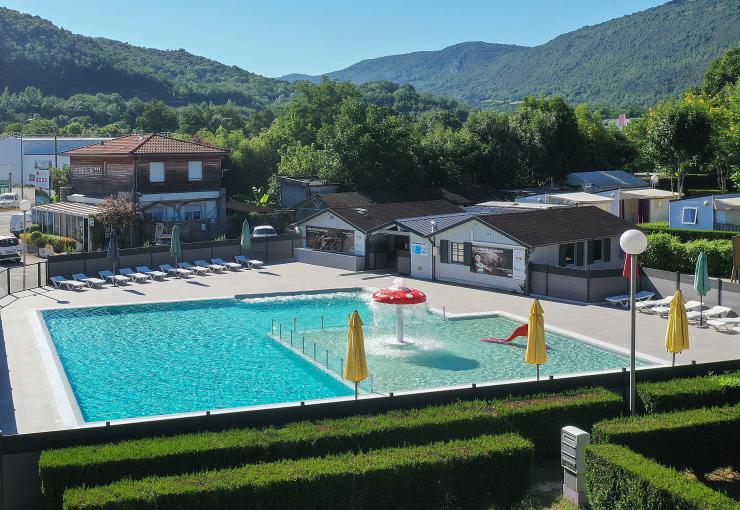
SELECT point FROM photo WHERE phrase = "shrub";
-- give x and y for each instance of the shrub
(619, 479)
(667, 252)
(59, 243)
(474, 473)
(683, 234)
(677, 394)
(35, 227)
(537, 418)
(698, 439)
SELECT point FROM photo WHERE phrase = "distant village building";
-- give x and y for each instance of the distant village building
(620, 122)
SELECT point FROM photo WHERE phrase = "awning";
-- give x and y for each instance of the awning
(649, 193)
(577, 197)
(727, 203)
(69, 208)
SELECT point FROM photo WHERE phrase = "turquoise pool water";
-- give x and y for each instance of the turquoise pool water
(162, 358)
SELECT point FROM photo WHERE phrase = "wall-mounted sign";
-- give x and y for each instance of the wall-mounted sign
(419, 249)
(492, 261)
(87, 170)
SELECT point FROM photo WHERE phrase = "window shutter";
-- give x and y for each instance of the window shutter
(561, 255)
(444, 251)
(606, 249)
(590, 252)
(579, 253)
(468, 255)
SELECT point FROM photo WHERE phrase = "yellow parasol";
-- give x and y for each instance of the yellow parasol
(677, 332)
(536, 348)
(355, 369)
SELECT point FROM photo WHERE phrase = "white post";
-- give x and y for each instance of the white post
(399, 324)
(633, 285)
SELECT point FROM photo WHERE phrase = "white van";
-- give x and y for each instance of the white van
(9, 200)
(9, 248)
(16, 222)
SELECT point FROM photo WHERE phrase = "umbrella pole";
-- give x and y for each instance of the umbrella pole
(701, 309)
(538, 372)
(673, 363)
(356, 390)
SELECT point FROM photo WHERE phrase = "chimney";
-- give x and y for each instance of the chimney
(64, 193)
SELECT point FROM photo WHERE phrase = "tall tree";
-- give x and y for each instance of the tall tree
(157, 117)
(722, 71)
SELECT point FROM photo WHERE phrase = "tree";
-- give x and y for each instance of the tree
(604, 148)
(308, 161)
(157, 117)
(678, 137)
(59, 177)
(117, 212)
(722, 71)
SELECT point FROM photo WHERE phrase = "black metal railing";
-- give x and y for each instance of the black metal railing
(18, 278)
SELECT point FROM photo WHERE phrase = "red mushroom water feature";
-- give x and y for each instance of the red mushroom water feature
(398, 294)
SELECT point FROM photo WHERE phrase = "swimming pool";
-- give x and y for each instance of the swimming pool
(163, 358)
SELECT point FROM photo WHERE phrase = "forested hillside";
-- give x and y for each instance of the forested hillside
(632, 61)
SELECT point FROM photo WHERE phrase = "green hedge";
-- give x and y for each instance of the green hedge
(619, 479)
(59, 243)
(667, 252)
(690, 392)
(538, 418)
(473, 473)
(685, 235)
(699, 439)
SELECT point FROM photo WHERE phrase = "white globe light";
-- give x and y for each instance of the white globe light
(24, 205)
(633, 242)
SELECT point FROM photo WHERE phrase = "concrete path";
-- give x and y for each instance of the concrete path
(27, 396)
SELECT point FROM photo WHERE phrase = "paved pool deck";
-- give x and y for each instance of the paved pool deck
(27, 397)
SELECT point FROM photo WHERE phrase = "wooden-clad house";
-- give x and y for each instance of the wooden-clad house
(174, 181)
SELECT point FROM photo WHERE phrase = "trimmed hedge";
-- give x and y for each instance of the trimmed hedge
(473, 473)
(619, 479)
(667, 252)
(687, 393)
(699, 439)
(538, 418)
(685, 235)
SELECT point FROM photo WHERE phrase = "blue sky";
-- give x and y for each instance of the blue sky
(277, 37)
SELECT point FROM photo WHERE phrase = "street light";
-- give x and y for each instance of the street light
(25, 206)
(633, 243)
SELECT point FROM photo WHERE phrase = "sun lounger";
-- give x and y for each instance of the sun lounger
(250, 263)
(192, 268)
(645, 306)
(624, 299)
(713, 313)
(90, 282)
(177, 271)
(231, 265)
(211, 267)
(137, 277)
(115, 279)
(60, 281)
(664, 310)
(151, 272)
(724, 324)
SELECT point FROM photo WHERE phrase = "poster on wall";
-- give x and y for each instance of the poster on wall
(492, 261)
(330, 239)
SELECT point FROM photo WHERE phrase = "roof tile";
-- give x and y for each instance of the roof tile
(146, 144)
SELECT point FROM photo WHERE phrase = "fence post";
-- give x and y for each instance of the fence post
(7, 275)
(267, 248)
(588, 285)
(38, 273)
(547, 279)
(719, 291)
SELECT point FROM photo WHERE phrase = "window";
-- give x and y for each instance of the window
(597, 250)
(193, 212)
(689, 215)
(567, 254)
(457, 253)
(156, 171)
(155, 213)
(195, 170)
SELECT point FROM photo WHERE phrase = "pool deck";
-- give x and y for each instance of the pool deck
(27, 397)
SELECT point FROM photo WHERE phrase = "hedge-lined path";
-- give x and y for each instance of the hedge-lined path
(29, 405)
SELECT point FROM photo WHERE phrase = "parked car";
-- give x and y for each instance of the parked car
(164, 240)
(9, 200)
(16, 223)
(264, 231)
(10, 248)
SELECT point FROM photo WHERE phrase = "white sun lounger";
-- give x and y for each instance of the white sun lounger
(192, 268)
(60, 281)
(231, 265)
(127, 271)
(724, 324)
(211, 267)
(177, 271)
(645, 306)
(90, 282)
(151, 272)
(250, 263)
(664, 310)
(115, 279)
(713, 313)
(624, 299)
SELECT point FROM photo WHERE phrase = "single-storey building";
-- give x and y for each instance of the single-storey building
(294, 190)
(710, 212)
(603, 180)
(568, 199)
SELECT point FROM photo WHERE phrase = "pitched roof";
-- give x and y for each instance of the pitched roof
(146, 144)
(554, 226)
(458, 195)
(373, 216)
(605, 179)
(422, 225)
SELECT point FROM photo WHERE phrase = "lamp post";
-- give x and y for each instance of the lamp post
(25, 206)
(633, 243)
